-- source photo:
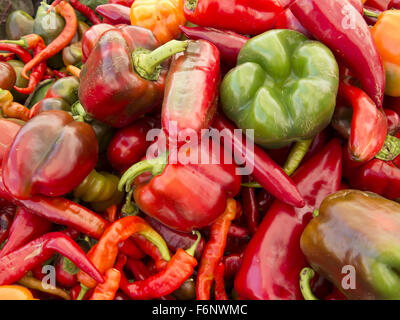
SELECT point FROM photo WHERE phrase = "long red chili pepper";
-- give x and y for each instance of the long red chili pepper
(14, 265)
(25, 227)
(266, 171)
(23, 54)
(86, 11)
(65, 37)
(108, 289)
(250, 208)
(177, 271)
(214, 251)
(219, 291)
(151, 250)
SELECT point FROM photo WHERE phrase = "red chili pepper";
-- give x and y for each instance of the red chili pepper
(108, 289)
(26, 227)
(14, 265)
(266, 172)
(250, 207)
(368, 126)
(7, 56)
(23, 54)
(151, 250)
(60, 74)
(65, 37)
(191, 91)
(264, 200)
(324, 19)
(214, 251)
(138, 269)
(273, 259)
(286, 20)
(126, 3)
(219, 291)
(64, 277)
(320, 140)
(379, 4)
(115, 13)
(242, 16)
(177, 271)
(86, 11)
(229, 43)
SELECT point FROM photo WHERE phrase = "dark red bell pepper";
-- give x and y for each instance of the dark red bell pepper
(8, 131)
(114, 13)
(243, 16)
(91, 37)
(14, 265)
(273, 259)
(121, 81)
(191, 91)
(185, 194)
(25, 227)
(342, 28)
(265, 170)
(50, 155)
(229, 43)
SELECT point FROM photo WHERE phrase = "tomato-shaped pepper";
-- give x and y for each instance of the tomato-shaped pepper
(50, 155)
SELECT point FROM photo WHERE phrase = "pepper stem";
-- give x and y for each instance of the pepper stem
(296, 155)
(21, 42)
(370, 13)
(155, 166)
(147, 63)
(191, 4)
(193, 248)
(390, 149)
(79, 113)
(315, 213)
(129, 208)
(305, 276)
(83, 292)
(251, 184)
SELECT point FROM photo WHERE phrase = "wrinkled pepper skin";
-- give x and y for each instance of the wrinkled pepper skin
(273, 260)
(360, 229)
(50, 155)
(284, 88)
(110, 90)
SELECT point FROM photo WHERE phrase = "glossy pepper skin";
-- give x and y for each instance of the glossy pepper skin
(273, 260)
(73, 154)
(242, 16)
(284, 88)
(110, 89)
(114, 13)
(191, 91)
(359, 229)
(18, 24)
(91, 37)
(187, 196)
(7, 76)
(354, 45)
(388, 45)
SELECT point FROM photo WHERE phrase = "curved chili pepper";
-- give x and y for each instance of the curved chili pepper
(296, 155)
(25, 227)
(71, 25)
(23, 54)
(151, 250)
(229, 43)
(273, 259)
(177, 271)
(104, 253)
(114, 13)
(14, 265)
(86, 11)
(36, 284)
(266, 172)
(108, 289)
(219, 290)
(12, 109)
(214, 251)
(324, 19)
(368, 126)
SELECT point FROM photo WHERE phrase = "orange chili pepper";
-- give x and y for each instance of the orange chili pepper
(65, 37)
(111, 213)
(109, 288)
(214, 251)
(12, 109)
(387, 41)
(75, 71)
(15, 293)
(163, 17)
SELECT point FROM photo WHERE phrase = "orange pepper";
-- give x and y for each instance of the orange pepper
(163, 17)
(108, 289)
(388, 43)
(12, 109)
(15, 293)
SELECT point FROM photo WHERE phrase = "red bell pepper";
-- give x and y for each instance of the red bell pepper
(273, 259)
(129, 144)
(379, 4)
(14, 265)
(50, 155)
(191, 91)
(114, 13)
(8, 131)
(329, 22)
(393, 121)
(122, 79)
(265, 171)
(229, 43)
(185, 196)
(242, 16)
(91, 37)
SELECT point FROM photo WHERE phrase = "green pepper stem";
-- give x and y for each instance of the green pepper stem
(390, 149)
(251, 185)
(79, 113)
(21, 42)
(83, 292)
(191, 4)
(370, 13)
(305, 276)
(315, 213)
(296, 155)
(147, 63)
(156, 239)
(129, 208)
(155, 166)
(193, 248)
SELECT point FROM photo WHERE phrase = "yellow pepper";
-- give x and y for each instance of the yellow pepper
(15, 293)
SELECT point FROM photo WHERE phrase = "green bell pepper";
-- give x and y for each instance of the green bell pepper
(18, 24)
(284, 87)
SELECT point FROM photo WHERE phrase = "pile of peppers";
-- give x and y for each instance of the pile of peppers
(201, 150)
